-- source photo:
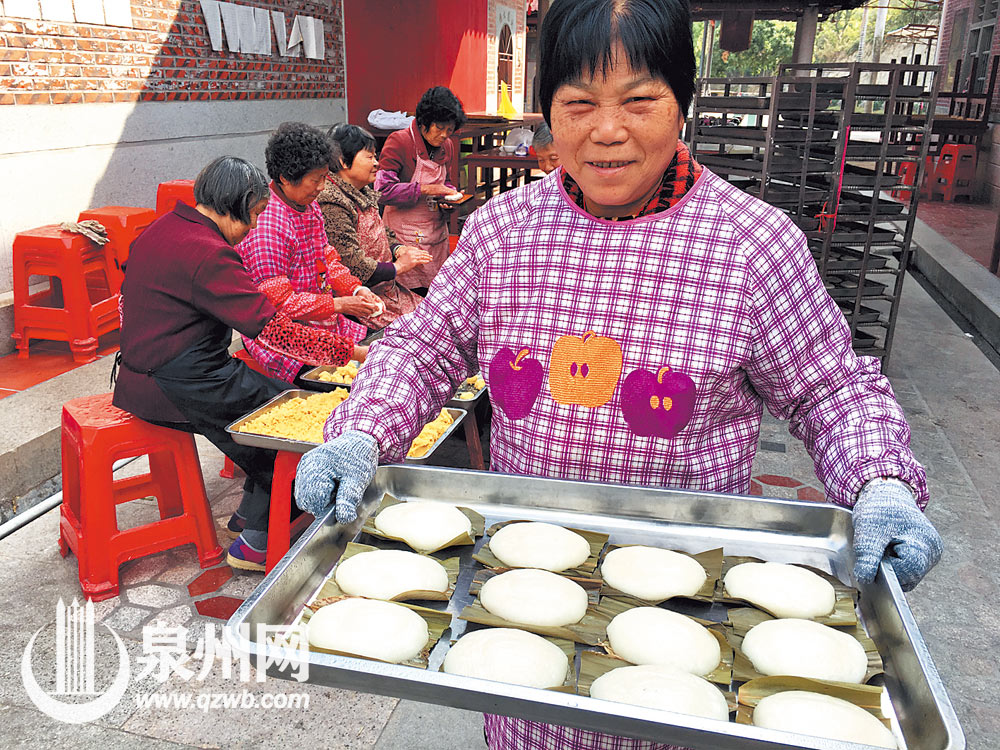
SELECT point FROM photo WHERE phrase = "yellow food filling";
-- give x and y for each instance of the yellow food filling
(429, 435)
(343, 375)
(302, 419)
(298, 418)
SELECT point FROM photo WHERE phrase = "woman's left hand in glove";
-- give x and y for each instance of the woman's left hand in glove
(887, 522)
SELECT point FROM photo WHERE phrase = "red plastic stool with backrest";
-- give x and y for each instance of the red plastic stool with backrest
(908, 176)
(124, 224)
(280, 529)
(94, 435)
(168, 193)
(956, 171)
(80, 303)
(228, 470)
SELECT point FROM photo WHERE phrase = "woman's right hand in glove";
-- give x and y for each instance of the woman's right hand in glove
(345, 465)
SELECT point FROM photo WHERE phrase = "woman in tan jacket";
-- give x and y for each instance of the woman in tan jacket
(354, 227)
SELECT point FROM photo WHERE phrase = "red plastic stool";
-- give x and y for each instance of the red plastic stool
(79, 304)
(168, 193)
(228, 470)
(956, 171)
(124, 224)
(908, 176)
(279, 529)
(94, 435)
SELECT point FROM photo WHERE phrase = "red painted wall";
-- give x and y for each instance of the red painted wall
(396, 50)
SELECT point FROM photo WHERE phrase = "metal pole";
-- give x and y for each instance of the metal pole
(704, 44)
(864, 33)
(711, 46)
(21, 520)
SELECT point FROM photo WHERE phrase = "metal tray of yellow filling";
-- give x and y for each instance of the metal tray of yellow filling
(316, 376)
(275, 443)
(466, 397)
(471, 394)
(814, 534)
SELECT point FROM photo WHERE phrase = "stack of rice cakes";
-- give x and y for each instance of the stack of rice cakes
(544, 594)
(379, 600)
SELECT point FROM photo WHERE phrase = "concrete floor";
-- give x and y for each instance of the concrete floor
(948, 388)
(969, 226)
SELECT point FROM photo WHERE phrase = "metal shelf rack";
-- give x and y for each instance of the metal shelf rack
(825, 144)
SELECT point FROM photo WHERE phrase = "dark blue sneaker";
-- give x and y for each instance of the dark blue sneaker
(244, 557)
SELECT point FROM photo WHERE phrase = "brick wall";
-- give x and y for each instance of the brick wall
(954, 48)
(154, 50)
(954, 6)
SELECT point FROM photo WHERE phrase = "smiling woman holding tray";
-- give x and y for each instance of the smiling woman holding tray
(633, 314)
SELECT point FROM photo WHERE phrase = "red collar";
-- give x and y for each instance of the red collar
(681, 174)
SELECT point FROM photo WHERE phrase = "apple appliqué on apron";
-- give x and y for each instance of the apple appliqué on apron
(657, 404)
(584, 371)
(515, 382)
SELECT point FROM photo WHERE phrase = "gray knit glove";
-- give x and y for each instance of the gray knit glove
(888, 522)
(346, 465)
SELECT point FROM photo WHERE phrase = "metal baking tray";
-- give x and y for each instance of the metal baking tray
(302, 446)
(457, 403)
(816, 534)
(313, 377)
(457, 416)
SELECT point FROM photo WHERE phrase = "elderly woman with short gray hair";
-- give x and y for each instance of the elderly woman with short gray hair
(184, 292)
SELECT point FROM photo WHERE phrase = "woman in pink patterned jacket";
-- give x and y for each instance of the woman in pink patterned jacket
(633, 314)
(288, 255)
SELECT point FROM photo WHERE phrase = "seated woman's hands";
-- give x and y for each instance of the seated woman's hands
(364, 304)
(409, 257)
(360, 352)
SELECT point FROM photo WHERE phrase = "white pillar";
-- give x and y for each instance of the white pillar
(880, 18)
(940, 36)
(805, 35)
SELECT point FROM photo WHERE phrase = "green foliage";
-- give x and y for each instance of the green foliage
(770, 44)
(837, 40)
(837, 37)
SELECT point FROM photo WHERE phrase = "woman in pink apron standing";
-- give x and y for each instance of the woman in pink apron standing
(413, 168)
